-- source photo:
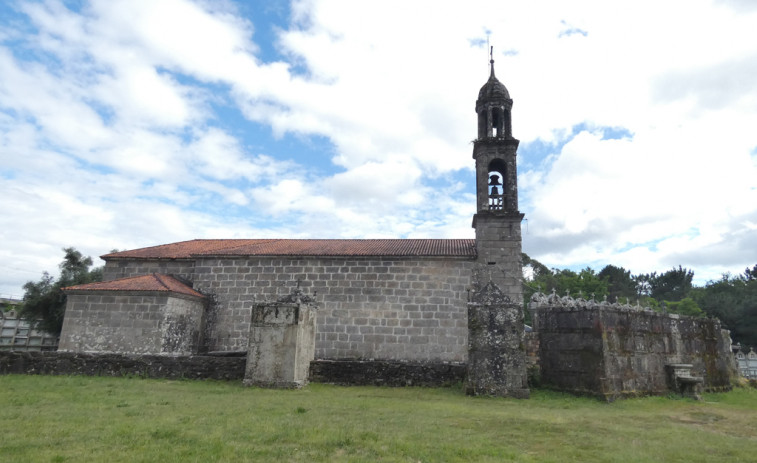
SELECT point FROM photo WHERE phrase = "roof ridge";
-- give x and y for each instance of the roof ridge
(105, 281)
(261, 241)
(154, 246)
(158, 276)
(194, 249)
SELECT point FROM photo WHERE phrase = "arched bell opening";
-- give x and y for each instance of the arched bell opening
(493, 122)
(496, 186)
(482, 123)
(498, 123)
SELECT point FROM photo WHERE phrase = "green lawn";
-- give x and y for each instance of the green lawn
(85, 419)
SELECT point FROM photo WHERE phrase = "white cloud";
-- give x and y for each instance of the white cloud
(110, 133)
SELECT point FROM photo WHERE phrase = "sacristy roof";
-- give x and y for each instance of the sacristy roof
(154, 282)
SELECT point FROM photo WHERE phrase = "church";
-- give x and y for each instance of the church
(388, 311)
(378, 299)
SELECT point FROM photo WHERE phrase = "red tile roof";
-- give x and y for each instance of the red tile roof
(286, 247)
(152, 282)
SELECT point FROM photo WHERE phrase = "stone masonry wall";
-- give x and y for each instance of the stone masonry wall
(182, 268)
(370, 308)
(148, 366)
(127, 324)
(614, 351)
(498, 244)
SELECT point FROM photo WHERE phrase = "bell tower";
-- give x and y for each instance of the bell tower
(497, 220)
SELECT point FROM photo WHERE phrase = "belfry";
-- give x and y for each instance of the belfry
(497, 220)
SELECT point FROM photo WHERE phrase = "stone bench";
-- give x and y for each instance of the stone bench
(681, 381)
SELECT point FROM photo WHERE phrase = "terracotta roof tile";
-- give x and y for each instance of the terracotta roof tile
(182, 249)
(306, 247)
(152, 282)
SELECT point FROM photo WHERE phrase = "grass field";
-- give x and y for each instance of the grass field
(86, 419)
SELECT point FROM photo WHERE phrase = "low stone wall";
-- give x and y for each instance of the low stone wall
(386, 373)
(343, 372)
(150, 366)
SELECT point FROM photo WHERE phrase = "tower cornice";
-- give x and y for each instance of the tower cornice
(491, 141)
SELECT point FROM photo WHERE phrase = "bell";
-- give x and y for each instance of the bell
(494, 192)
(494, 180)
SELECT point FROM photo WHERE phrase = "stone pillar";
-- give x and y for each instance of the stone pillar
(282, 342)
(496, 351)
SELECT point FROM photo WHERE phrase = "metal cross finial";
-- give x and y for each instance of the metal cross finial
(491, 65)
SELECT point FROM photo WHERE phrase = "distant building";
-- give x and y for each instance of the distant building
(747, 362)
(17, 334)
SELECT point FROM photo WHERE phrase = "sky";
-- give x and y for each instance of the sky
(133, 123)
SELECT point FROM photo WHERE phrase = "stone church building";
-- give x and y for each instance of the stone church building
(415, 311)
(385, 299)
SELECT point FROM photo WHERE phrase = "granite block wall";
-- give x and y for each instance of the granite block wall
(123, 323)
(622, 351)
(408, 309)
(496, 351)
(392, 309)
(498, 244)
(181, 268)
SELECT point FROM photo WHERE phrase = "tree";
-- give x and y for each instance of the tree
(732, 299)
(750, 274)
(673, 285)
(643, 285)
(44, 303)
(620, 283)
(585, 282)
(686, 306)
(537, 269)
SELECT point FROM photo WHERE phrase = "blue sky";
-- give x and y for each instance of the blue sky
(128, 123)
